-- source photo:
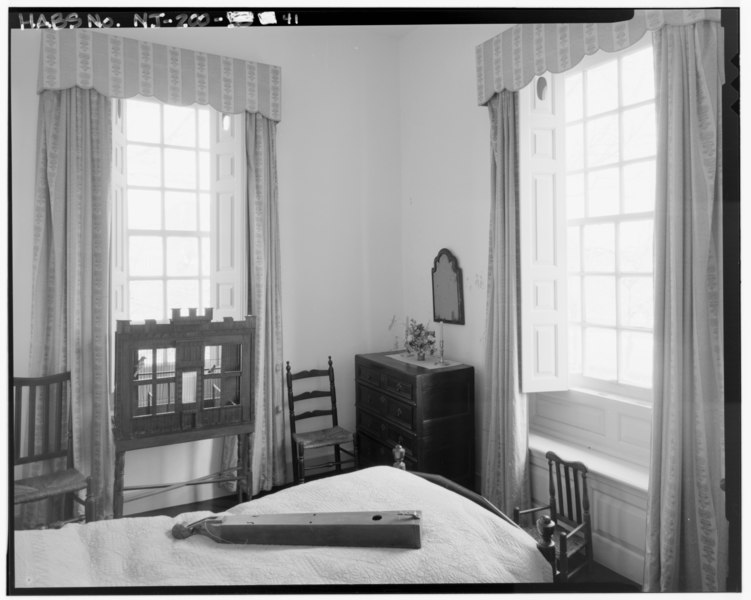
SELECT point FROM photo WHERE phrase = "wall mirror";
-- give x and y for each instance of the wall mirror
(448, 294)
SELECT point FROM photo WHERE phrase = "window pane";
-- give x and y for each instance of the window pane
(205, 256)
(600, 354)
(636, 358)
(144, 166)
(182, 256)
(142, 122)
(574, 299)
(599, 300)
(206, 292)
(575, 196)
(182, 293)
(602, 88)
(204, 164)
(205, 208)
(636, 301)
(639, 187)
(146, 299)
(640, 138)
(574, 350)
(574, 108)
(573, 242)
(144, 209)
(180, 211)
(603, 192)
(144, 256)
(635, 246)
(179, 125)
(602, 141)
(204, 127)
(179, 168)
(574, 147)
(599, 247)
(637, 73)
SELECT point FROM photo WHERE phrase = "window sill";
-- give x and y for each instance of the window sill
(601, 465)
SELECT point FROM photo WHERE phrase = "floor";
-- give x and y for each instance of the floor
(599, 579)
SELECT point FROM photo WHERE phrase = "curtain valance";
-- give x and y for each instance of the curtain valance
(121, 68)
(512, 58)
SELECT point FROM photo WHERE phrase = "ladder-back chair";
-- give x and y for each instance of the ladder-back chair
(333, 436)
(569, 510)
(42, 433)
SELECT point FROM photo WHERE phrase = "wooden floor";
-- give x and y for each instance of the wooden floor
(600, 579)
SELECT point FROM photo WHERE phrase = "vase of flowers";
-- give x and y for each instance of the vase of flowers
(419, 339)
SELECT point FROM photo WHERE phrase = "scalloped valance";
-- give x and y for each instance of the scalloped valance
(513, 57)
(122, 68)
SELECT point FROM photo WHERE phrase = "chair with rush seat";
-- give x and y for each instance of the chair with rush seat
(569, 511)
(42, 433)
(333, 436)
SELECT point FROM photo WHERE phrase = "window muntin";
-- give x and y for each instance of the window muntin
(610, 181)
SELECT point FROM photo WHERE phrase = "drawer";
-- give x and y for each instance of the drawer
(401, 412)
(373, 400)
(368, 375)
(400, 387)
(386, 432)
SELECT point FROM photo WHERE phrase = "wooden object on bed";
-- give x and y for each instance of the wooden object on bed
(569, 513)
(381, 529)
(182, 381)
(430, 412)
(47, 437)
(339, 439)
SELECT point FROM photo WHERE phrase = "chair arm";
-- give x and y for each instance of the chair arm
(574, 531)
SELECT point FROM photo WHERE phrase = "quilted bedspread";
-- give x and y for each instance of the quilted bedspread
(461, 543)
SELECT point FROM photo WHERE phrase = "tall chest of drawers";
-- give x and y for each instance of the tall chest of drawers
(429, 411)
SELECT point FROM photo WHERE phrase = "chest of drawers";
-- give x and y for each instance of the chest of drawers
(428, 411)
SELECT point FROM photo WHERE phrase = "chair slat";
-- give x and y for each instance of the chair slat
(312, 413)
(31, 428)
(18, 420)
(569, 506)
(558, 482)
(311, 394)
(577, 496)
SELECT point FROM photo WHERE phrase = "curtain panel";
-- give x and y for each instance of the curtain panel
(70, 327)
(118, 67)
(512, 58)
(687, 531)
(505, 477)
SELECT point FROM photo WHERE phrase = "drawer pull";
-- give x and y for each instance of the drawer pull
(383, 427)
(398, 412)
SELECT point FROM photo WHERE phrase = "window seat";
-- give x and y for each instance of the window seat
(617, 472)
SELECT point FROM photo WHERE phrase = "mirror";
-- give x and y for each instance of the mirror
(448, 294)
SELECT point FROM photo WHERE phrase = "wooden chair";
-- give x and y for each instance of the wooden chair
(42, 432)
(333, 436)
(569, 511)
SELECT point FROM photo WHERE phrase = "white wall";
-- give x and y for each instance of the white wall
(445, 140)
(339, 201)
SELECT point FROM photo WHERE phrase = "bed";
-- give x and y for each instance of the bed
(462, 543)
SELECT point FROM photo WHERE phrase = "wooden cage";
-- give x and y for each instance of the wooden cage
(181, 381)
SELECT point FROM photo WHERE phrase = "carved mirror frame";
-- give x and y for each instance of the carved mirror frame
(448, 290)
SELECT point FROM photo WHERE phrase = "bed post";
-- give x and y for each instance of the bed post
(399, 452)
(546, 545)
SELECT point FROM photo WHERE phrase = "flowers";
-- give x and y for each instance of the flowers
(419, 339)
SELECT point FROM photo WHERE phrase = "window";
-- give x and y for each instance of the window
(178, 224)
(587, 264)
(609, 181)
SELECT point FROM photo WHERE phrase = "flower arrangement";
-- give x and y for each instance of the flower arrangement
(419, 339)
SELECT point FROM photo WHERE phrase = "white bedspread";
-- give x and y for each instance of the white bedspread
(461, 543)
